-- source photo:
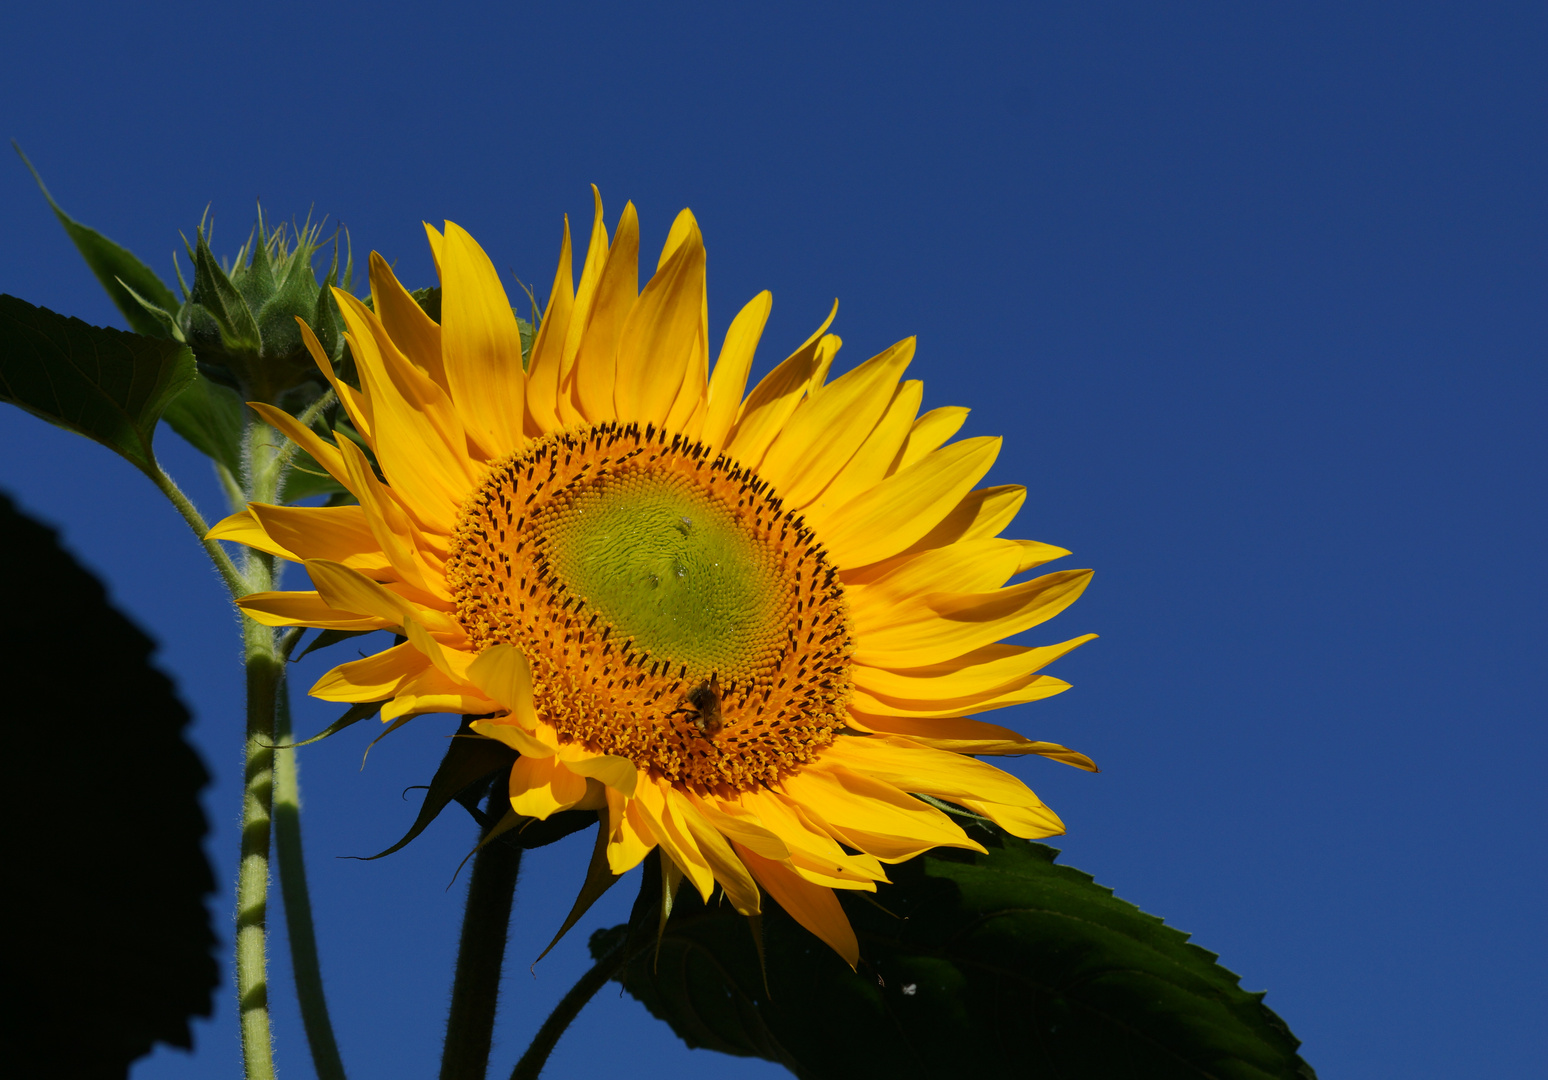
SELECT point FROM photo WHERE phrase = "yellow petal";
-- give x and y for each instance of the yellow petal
(659, 338)
(913, 766)
(585, 294)
(414, 332)
(729, 870)
(339, 533)
(948, 625)
(541, 787)
(775, 397)
(618, 773)
(906, 506)
(1034, 688)
(869, 814)
(453, 662)
(356, 404)
(1027, 822)
(481, 345)
(374, 678)
(630, 838)
(877, 592)
(827, 428)
(421, 443)
(616, 290)
(502, 672)
(548, 347)
(877, 455)
(433, 691)
(1036, 554)
(433, 235)
(931, 431)
(405, 545)
(350, 590)
(810, 846)
(964, 736)
(242, 528)
(730, 376)
(673, 837)
(980, 515)
(813, 906)
(305, 609)
(506, 730)
(323, 452)
(827, 351)
(988, 670)
(740, 824)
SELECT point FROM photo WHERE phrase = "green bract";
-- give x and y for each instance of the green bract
(240, 319)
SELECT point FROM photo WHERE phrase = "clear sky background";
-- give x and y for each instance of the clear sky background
(1254, 292)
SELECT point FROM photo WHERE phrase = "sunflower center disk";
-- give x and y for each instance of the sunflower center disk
(673, 611)
(671, 568)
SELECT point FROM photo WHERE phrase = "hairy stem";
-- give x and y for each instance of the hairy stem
(229, 574)
(263, 675)
(298, 904)
(569, 1007)
(265, 671)
(481, 953)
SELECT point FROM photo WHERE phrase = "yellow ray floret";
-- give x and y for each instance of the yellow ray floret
(747, 628)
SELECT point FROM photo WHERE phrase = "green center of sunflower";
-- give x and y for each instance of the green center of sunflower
(673, 611)
(667, 566)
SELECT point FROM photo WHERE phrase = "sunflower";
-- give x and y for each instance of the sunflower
(747, 629)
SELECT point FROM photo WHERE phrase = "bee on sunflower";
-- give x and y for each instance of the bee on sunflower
(748, 629)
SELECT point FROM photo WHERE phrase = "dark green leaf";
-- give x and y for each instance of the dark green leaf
(353, 715)
(326, 638)
(469, 760)
(992, 965)
(532, 833)
(429, 301)
(209, 416)
(164, 318)
(306, 478)
(106, 384)
(115, 267)
(527, 333)
(105, 877)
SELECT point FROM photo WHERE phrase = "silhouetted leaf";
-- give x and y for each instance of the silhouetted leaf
(106, 384)
(992, 965)
(108, 944)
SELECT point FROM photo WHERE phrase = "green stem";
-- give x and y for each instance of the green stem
(298, 903)
(481, 953)
(229, 574)
(265, 670)
(569, 1007)
(263, 676)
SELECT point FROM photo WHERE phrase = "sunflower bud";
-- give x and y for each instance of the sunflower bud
(240, 320)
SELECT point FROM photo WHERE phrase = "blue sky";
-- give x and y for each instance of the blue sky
(1255, 293)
